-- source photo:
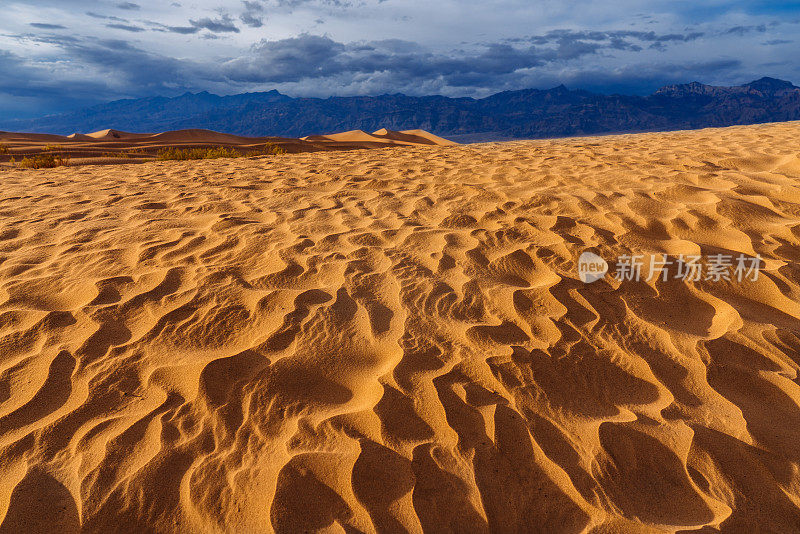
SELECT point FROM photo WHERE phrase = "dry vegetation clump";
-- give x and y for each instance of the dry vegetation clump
(185, 154)
(178, 154)
(271, 149)
(44, 161)
(4, 149)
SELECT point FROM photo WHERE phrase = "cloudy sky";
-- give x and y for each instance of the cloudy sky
(58, 55)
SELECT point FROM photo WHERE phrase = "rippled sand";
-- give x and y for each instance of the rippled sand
(397, 339)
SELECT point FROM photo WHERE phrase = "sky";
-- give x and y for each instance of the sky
(60, 55)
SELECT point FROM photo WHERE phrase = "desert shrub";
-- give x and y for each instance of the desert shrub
(123, 155)
(271, 149)
(4, 149)
(52, 148)
(43, 161)
(178, 154)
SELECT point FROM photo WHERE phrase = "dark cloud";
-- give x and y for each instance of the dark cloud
(33, 90)
(54, 39)
(313, 57)
(44, 26)
(293, 4)
(121, 56)
(223, 24)
(104, 17)
(23, 77)
(288, 60)
(253, 6)
(624, 58)
(250, 19)
(312, 61)
(402, 66)
(126, 27)
(252, 15)
(624, 40)
(645, 78)
(660, 38)
(114, 63)
(307, 58)
(741, 30)
(184, 30)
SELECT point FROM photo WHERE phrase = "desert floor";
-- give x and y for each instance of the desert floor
(398, 340)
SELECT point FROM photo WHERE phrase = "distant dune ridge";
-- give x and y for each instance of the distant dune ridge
(399, 341)
(527, 113)
(384, 136)
(111, 146)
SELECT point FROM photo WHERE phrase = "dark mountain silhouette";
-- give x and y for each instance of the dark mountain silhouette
(529, 113)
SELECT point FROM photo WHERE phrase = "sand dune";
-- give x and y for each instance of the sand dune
(113, 134)
(114, 146)
(80, 137)
(201, 136)
(13, 137)
(110, 134)
(384, 137)
(414, 137)
(358, 136)
(398, 340)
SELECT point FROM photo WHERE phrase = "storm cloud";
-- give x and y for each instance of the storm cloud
(348, 47)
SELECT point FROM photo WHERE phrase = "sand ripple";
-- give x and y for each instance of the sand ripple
(398, 340)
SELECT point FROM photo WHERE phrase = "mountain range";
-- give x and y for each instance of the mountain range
(528, 113)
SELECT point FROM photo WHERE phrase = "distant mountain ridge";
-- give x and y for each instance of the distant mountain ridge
(527, 113)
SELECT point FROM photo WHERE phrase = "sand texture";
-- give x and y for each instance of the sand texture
(397, 340)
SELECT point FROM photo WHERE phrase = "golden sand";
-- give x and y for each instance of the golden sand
(397, 340)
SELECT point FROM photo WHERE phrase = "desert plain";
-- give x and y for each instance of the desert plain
(398, 340)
